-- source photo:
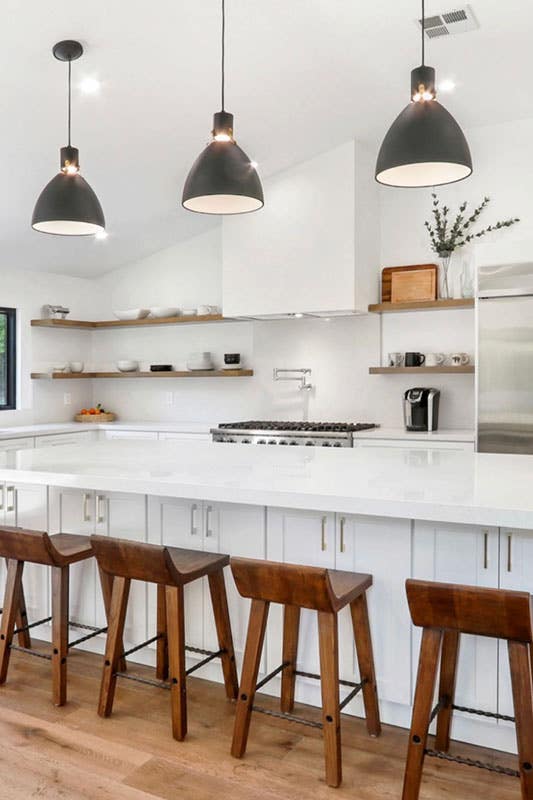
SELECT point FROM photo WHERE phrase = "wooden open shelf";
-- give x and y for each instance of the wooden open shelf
(134, 323)
(211, 373)
(467, 370)
(422, 305)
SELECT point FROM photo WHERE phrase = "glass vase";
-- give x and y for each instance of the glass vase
(444, 275)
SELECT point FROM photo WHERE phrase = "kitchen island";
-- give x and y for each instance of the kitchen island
(399, 512)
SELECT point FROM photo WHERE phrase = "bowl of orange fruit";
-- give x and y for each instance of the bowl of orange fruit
(95, 414)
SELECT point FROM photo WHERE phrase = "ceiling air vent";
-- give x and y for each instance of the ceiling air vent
(447, 23)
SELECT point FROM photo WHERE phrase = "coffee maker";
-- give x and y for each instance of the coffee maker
(421, 409)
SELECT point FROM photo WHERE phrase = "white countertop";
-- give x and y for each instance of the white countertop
(421, 436)
(440, 485)
(47, 429)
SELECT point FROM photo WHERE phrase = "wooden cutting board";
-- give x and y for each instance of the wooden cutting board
(418, 287)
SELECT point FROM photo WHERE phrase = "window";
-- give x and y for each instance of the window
(8, 355)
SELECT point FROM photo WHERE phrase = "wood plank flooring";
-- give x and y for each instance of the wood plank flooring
(70, 753)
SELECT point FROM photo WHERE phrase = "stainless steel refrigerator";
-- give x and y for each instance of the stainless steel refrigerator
(505, 359)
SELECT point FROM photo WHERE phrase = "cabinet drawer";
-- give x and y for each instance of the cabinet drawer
(25, 443)
(65, 438)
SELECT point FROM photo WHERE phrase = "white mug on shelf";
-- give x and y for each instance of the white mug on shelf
(459, 359)
(435, 359)
(395, 359)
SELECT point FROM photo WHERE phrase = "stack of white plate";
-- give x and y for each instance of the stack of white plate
(199, 361)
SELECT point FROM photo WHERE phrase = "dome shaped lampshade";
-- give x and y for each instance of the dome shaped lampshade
(68, 206)
(423, 147)
(223, 180)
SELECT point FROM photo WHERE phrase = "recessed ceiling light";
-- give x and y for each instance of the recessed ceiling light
(101, 235)
(447, 85)
(90, 85)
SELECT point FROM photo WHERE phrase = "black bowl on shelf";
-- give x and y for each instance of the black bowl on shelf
(160, 367)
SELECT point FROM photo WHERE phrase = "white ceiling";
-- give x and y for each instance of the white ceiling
(302, 75)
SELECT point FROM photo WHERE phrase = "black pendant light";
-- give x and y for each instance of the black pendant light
(424, 145)
(67, 206)
(223, 180)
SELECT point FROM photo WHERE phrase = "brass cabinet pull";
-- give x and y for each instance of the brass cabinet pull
(100, 504)
(208, 529)
(509, 552)
(323, 543)
(2, 491)
(342, 547)
(194, 529)
(86, 510)
(10, 503)
(485, 549)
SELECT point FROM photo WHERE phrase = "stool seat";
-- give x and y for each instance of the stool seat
(193, 564)
(71, 547)
(347, 586)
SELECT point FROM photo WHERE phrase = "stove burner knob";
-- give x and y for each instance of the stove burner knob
(272, 441)
(230, 440)
(337, 444)
(283, 441)
(261, 441)
(293, 443)
(326, 444)
(245, 441)
(310, 444)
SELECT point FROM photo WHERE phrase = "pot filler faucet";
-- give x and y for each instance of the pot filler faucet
(300, 375)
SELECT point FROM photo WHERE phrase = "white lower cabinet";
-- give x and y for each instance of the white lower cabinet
(65, 438)
(24, 443)
(214, 527)
(111, 514)
(135, 435)
(463, 554)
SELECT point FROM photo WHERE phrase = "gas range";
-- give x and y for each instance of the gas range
(309, 434)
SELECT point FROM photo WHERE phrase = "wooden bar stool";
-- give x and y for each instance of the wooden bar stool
(445, 611)
(19, 546)
(171, 568)
(325, 591)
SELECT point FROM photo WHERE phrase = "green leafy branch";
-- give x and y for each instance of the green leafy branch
(447, 234)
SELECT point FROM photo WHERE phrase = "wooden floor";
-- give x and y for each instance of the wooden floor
(72, 754)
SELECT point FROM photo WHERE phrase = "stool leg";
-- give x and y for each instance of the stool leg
(523, 708)
(365, 659)
(329, 684)
(106, 582)
(114, 647)
(250, 668)
(176, 654)
(291, 629)
(425, 687)
(9, 613)
(161, 669)
(60, 581)
(448, 673)
(219, 600)
(24, 638)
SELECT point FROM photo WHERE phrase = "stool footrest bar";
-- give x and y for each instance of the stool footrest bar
(289, 717)
(31, 625)
(148, 681)
(470, 762)
(349, 697)
(140, 646)
(272, 674)
(436, 710)
(204, 661)
(490, 714)
(88, 636)
(316, 677)
(30, 652)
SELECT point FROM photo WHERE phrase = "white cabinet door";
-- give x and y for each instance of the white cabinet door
(381, 547)
(73, 511)
(123, 516)
(516, 572)
(24, 443)
(238, 530)
(128, 435)
(298, 537)
(26, 506)
(179, 523)
(464, 554)
(65, 438)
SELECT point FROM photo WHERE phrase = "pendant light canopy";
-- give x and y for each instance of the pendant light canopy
(223, 180)
(67, 206)
(424, 145)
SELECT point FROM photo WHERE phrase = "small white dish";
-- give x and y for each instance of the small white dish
(127, 366)
(188, 312)
(132, 313)
(60, 367)
(76, 366)
(164, 311)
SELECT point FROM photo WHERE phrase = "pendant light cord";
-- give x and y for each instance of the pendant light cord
(69, 97)
(423, 32)
(223, 49)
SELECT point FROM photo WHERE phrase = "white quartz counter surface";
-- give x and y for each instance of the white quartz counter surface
(49, 428)
(440, 485)
(418, 436)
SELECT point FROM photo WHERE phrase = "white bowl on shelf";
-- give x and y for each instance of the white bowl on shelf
(127, 366)
(164, 311)
(63, 367)
(76, 366)
(132, 313)
(189, 312)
